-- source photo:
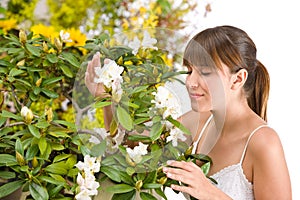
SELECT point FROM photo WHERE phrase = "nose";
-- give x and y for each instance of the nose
(192, 81)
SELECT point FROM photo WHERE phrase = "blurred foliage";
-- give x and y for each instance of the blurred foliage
(38, 70)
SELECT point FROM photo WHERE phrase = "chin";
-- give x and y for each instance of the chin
(198, 108)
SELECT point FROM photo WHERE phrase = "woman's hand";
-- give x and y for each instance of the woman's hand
(96, 89)
(196, 183)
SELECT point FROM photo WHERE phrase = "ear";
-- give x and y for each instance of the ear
(238, 79)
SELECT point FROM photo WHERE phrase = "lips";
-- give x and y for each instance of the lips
(196, 95)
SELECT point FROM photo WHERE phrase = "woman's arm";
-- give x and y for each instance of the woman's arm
(97, 89)
(270, 173)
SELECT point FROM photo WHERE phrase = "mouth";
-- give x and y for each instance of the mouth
(196, 95)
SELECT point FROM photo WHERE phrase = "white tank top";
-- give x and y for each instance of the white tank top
(231, 179)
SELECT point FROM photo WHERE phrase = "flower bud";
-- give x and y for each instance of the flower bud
(20, 159)
(58, 44)
(35, 162)
(45, 47)
(120, 61)
(27, 114)
(162, 180)
(21, 63)
(22, 36)
(49, 114)
(188, 151)
(129, 161)
(38, 82)
(1, 98)
(139, 184)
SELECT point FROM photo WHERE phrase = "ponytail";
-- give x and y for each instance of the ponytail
(260, 94)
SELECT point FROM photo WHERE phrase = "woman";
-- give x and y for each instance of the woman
(229, 87)
(248, 159)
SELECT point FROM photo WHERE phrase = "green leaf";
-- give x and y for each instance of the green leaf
(7, 158)
(101, 104)
(7, 174)
(125, 196)
(33, 50)
(71, 59)
(152, 185)
(42, 145)
(52, 58)
(31, 152)
(49, 93)
(51, 180)
(66, 70)
(38, 192)
(10, 115)
(151, 177)
(61, 157)
(34, 131)
(10, 187)
(160, 193)
(15, 72)
(52, 80)
(139, 138)
(124, 118)
(26, 83)
(147, 196)
(112, 173)
(156, 131)
(54, 191)
(19, 147)
(120, 188)
(99, 149)
(57, 168)
(42, 124)
(205, 168)
(179, 125)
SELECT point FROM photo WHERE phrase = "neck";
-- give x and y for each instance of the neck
(227, 120)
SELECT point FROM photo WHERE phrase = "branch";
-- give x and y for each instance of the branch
(93, 133)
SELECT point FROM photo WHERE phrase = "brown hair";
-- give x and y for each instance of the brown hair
(233, 47)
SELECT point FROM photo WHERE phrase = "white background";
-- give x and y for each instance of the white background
(274, 27)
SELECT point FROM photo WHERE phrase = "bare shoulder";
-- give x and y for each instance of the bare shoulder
(265, 142)
(263, 139)
(270, 171)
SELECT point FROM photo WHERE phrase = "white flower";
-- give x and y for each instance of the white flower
(88, 186)
(113, 143)
(148, 42)
(166, 101)
(137, 152)
(102, 132)
(65, 36)
(25, 111)
(117, 90)
(135, 45)
(108, 73)
(176, 134)
(90, 164)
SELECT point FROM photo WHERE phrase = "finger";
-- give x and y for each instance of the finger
(188, 166)
(96, 60)
(181, 188)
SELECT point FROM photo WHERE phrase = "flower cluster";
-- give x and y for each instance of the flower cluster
(137, 152)
(147, 42)
(86, 180)
(110, 76)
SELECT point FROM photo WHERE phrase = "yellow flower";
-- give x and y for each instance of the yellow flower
(47, 31)
(78, 38)
(8, 24)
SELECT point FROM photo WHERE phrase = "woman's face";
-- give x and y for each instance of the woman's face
(205, 86)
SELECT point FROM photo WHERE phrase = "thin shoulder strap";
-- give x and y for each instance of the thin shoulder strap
(195, 144)
(251, 134)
